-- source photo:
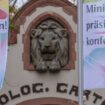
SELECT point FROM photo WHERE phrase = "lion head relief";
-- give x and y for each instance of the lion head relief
(49, 46)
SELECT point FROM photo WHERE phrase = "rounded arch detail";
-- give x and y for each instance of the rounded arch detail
(31, 7)
(71, 37)
(49, 101)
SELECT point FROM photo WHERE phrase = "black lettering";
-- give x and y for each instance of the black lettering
(87, 93)
(103, 103)
(96, 97)
(89, 9)
(2, 26)
(13, 96)
(37, 88)
(74, 90)
(4, 99)
(62, 87)
(25, 90)
(87, 41)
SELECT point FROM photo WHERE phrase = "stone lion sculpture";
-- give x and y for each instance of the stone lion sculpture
(49, 47)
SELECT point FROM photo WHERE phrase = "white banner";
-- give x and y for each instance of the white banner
(94, 43)
(4, 7)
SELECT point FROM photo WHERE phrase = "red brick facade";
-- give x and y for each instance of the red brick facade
(49, 101)
(30, 7)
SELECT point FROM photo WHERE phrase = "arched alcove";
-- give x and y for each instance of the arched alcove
(71, 39)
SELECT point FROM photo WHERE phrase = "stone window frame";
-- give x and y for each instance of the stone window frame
(33, 24)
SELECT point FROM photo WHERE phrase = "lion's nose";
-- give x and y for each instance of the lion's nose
(47, 46)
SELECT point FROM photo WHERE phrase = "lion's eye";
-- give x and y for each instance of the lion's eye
(42, 38)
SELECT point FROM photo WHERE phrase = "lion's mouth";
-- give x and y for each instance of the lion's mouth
(48, 55)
